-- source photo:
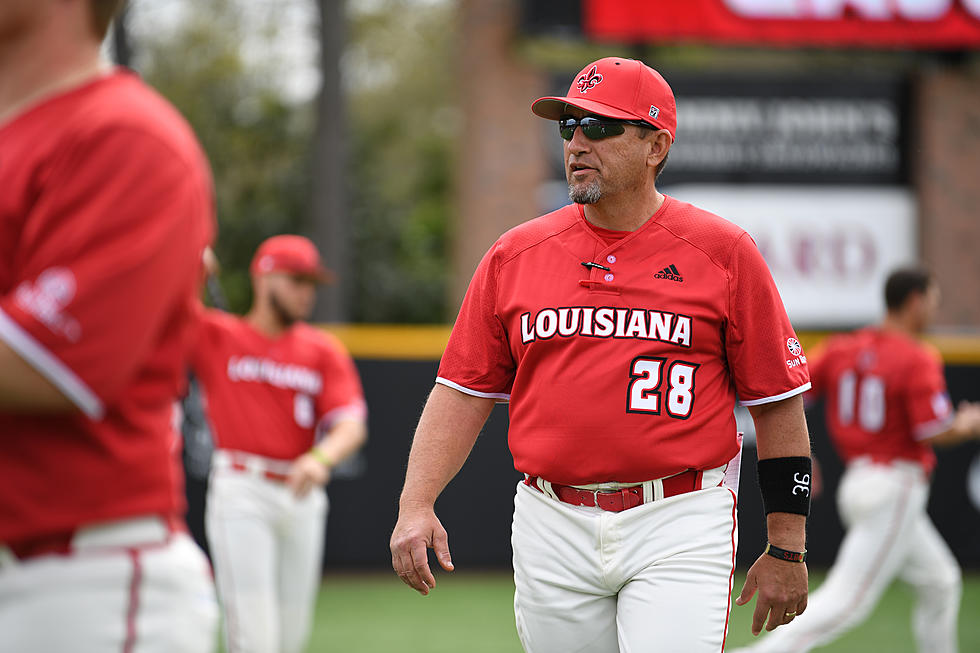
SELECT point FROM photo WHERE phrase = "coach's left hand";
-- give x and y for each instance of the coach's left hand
(782, 588)
(305, 474)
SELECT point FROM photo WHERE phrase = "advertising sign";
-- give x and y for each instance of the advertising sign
(829, 248)
(925, 24)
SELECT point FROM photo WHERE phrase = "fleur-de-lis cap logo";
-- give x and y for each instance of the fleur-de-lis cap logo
(589, 80)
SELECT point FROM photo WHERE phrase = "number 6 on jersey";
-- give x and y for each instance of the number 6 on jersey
(643, 395)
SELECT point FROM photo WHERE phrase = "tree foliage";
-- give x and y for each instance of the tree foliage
(398, 76)
(255, 140)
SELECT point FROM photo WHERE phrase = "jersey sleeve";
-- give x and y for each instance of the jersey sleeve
(764, 355)
(926, 398)
(477, 360)
(110, 247)
(342, 396)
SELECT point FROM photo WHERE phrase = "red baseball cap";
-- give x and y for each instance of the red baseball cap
(293, 254)
(625, 89)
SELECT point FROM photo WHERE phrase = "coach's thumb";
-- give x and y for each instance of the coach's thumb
(440, 544)
(748, 591)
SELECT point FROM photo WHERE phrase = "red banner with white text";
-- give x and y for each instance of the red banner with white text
(886, 24)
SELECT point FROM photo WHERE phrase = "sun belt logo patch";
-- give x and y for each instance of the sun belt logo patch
(794, 346)
(589, 80)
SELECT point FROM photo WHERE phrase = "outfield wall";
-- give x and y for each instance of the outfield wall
(398, 366)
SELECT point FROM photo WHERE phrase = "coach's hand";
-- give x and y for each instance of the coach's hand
(305, 474)
(418, 529)
(782, 588)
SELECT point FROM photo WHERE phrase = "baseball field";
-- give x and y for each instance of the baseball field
(472, 613)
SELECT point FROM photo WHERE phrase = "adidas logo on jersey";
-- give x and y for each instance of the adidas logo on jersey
(670, 273)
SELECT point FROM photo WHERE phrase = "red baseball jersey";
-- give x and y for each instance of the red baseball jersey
(270, 396)
(885, 395)
(105, 211)
(628, 371)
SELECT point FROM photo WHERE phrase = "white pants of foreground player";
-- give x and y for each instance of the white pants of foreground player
(657, 577)
(129, 586)
(267, 547)
(889, 535)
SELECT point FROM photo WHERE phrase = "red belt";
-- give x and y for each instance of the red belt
(269, 474)
(619, 500)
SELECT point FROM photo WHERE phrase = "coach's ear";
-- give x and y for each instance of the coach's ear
(659, 147)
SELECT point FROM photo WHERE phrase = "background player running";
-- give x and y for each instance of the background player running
(886, 405)
(285, 405)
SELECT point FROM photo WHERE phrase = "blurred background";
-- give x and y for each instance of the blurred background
(844, 135)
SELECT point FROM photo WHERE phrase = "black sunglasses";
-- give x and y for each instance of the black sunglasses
(596, 128)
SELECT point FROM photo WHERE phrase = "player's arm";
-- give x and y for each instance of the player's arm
(24, 389)
(447, 430)
(965, 426)
(343, 439)
(781, 433)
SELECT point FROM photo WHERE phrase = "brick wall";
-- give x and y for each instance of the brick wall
(947, 178)
(501, 161)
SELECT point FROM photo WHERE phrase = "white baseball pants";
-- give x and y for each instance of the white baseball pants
(267, 548)
(657, 577)
(129, 586)
(889, 535)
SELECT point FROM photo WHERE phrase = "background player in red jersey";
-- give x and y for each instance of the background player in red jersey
(285, 405)
(620, 328)
(106, 206)
(886, 405)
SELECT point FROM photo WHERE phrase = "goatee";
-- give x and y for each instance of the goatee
(585, 194)
(286, 319)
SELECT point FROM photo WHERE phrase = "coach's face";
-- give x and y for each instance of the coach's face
(625, 163)
(291, 296)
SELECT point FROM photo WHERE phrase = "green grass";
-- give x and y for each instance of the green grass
(472, 612)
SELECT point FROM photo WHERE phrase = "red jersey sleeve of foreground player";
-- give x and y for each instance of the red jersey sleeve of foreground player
(763, 352)
(478, 360)
(103, 258)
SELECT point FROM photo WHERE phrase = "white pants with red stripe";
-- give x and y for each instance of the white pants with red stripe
(127, 587)
(657, 577)
(889, 535)
(267, 547)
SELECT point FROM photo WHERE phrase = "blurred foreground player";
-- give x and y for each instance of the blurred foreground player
(620, 328)
(105, 209)
(886, 405)
(285, 405)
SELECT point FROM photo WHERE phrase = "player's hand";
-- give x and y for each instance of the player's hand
(305, 474)
(782, 588)
(967, 419)
(418, 529)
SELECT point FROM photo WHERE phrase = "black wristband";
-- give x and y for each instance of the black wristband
(783, 554)
(785, 484)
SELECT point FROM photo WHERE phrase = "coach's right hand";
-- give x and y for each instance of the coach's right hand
(417, 530)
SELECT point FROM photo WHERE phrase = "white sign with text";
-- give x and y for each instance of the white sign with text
(830, 248)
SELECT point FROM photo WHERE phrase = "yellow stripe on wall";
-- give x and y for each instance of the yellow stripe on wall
(391, 341)
(427, 342)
